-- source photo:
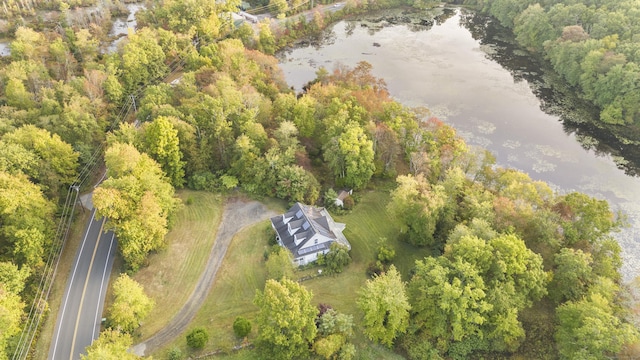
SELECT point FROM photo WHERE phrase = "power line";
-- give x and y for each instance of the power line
(39, 305)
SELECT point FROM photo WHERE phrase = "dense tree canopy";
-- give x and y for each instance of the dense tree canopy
(499, 240)
(590, 43)
(137, 201)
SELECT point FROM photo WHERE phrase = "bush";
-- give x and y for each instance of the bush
(241, 327)
(386, 254)
(330, 197)
(202, 181)
(174, 354)
(349, 203)
(336, 259)
(375, 268)
(197, 338)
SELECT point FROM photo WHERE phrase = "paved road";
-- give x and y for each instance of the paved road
(80, 314)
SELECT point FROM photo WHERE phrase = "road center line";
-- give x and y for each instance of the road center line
(84, 290)
(73, 275)
(104, 275)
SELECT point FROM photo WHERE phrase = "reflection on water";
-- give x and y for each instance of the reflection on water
(5, 49)
(555, 98)
(121, 26)
(460, 76)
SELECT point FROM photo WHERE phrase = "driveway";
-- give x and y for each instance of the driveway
(238, 214)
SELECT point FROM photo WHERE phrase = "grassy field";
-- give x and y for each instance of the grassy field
(243, 272)
(172, 273)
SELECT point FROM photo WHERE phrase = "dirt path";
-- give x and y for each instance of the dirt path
(237, 214)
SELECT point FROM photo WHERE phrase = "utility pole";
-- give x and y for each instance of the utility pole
(134, 103)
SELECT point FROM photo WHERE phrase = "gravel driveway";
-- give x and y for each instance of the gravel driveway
(238, 214)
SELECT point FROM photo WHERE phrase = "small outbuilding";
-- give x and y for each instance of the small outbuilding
(307, 231)
(343, 194)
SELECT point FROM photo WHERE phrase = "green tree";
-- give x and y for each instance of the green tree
(532, 27)
(330, 197)
(296, 184)
(585, 218)
(350, 156)
(278, 6)
(449, 301)
(12, 278)
(57, 162)
(197, 338)
(279, 264)
(163, 145)
(266, 41)
(286, 321)
(327, 347)
(417, 205)
(137, 201)
(241, 327)
(17, 94)
(336, 259)
(26, 218)
(384, 303)
(11, 313)
(142, 60)
(28, 44)
(386, 254)
(333, 322)
(572, 276)
(589, 329)
(110, 345)
(130, 305)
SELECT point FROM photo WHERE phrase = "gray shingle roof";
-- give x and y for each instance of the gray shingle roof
(303, 222)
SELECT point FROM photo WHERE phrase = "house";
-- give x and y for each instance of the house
(307, 231)
(343, 194)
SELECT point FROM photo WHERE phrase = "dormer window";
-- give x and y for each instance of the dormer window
(298, 238)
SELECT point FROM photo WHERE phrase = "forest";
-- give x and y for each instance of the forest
(593, 45)
(190, 100)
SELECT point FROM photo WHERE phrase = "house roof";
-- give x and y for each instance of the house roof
(304, 222)
(343, 194)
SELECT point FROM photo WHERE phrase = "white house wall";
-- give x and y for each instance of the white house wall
(311, 242)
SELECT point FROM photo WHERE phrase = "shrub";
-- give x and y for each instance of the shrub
(349, 203)
(386, 254)
(336, 259)
(375, 268)
(174, 354)
(197, 338)
(241, 327)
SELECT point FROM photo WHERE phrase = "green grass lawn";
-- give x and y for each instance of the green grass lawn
(173, 272)
(243, 272)
(238, 278)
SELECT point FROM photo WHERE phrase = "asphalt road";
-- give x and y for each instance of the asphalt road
(80, 314)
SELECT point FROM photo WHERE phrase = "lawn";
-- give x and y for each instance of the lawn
(243, 272)
(172, 273)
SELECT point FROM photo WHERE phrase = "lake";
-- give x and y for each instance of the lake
(465, 69)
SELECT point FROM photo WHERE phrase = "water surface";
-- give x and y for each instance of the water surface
(441, 66)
